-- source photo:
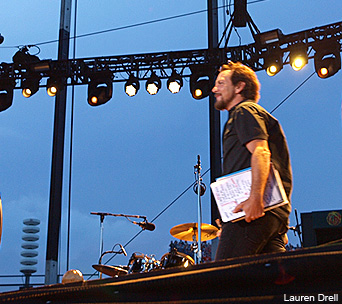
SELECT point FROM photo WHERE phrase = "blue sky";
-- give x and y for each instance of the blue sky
(136, 155)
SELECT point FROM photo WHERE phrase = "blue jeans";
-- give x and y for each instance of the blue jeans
(264, 235)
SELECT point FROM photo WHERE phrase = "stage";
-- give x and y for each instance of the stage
(312, 274)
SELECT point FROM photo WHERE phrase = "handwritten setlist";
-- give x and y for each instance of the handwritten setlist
(232, 189)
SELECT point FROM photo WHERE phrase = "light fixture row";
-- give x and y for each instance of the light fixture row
(327, 59)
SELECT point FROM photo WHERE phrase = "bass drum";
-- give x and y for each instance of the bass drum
(176, 259)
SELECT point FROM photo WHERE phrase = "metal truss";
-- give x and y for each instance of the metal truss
(80, 71)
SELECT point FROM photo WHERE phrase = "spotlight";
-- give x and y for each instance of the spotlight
(54, 86)
(270, 36)
(298, 58)
(273, 64)
(199, 83)
(2, 38)
(132, 86)
(327, 60)
(100, 89)
(153, 84)
(24, 57)
(30, 86)
(175, 82)
(6, 94)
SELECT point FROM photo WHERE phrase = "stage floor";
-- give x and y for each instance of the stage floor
(313, 274)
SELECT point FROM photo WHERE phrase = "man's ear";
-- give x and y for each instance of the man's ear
(239, 87)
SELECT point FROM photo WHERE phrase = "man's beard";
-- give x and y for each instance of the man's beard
(220, 104)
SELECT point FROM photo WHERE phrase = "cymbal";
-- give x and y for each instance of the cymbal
(187, 231)
(110, 270)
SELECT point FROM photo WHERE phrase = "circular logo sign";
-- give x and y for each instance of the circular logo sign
(334, 218)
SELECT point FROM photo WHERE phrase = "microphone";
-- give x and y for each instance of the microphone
(146, 225)
(123, 250)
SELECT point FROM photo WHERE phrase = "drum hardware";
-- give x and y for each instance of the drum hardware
(112, 271)
(176, 259)
(108, 268)
(189, 232)
(142, 263)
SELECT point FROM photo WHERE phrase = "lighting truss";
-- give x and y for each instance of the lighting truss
(79, 71)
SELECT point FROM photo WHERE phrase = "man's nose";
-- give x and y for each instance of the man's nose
(214, 89)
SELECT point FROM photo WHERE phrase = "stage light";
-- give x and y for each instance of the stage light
(24, 57)
(100, 89)
(298, 58)
(200, 82)
(6, 94)
(273, 63)
(270, 36)
(132, 86)
(30, 86)
(153, 84)
(175, 82)
(53, 86)
(327, 59)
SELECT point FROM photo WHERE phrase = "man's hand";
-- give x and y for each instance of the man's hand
(218, 223)
(254, 209)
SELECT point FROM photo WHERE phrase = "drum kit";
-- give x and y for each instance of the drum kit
(141, 263)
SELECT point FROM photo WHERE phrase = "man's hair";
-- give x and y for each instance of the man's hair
(244, 74)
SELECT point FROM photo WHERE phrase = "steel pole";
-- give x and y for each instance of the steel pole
(56, 183)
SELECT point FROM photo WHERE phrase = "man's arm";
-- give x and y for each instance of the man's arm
(260, 164)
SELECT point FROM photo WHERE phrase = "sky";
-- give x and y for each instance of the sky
(136, 155)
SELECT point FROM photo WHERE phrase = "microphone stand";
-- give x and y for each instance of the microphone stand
(199, 210)
(102, 216)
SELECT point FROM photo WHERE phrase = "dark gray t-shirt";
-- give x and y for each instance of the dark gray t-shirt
(248, 121)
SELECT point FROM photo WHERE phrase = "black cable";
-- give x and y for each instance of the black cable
(133, 25)
(288, 96)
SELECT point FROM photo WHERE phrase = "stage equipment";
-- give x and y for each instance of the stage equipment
(30, 86)
(273, 62)
(53, 86)
(298, 57)
(132, 86)
(327, 59)
(175, 82)
(122, 251)
(240, 13)
(145, 225)
(153, 84)
(176, 259)
(100, 89)
(199, 82)
(24, 57)
(270, 36)
(321, 227)
(140, 262)
(189, 232)
(113, 271)
(6, 94)
(1, 39)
